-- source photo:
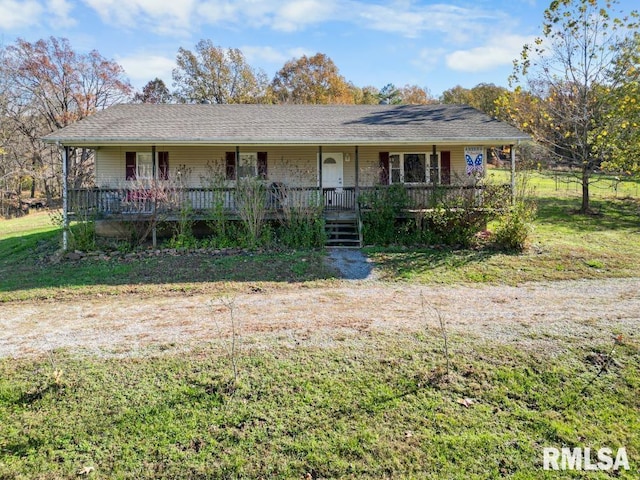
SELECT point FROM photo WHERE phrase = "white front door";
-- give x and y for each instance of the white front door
(332, 173)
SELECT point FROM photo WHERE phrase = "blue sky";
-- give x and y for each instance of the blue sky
(432, 44)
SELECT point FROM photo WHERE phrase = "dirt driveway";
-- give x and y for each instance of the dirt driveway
(530, 316)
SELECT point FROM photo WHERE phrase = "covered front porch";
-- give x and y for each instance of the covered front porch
(169, 201)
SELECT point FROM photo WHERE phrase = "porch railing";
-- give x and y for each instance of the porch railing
(122, 201)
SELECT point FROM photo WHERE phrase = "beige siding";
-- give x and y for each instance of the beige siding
(294, 165)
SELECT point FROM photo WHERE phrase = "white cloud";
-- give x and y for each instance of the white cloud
(142, 67)
(60, 10)
(167, 17)
(272, 56)
(499, 51)
(413, 21)
(429, 58)
(297, 14)
(15, 14)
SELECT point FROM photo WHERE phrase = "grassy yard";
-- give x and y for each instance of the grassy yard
(564, 245)
(377, 406)
(27, 244)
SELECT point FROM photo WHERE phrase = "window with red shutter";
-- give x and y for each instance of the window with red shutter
(262, 165)
(231, 165)
(130, 165)
(384, 168)
(163, 165)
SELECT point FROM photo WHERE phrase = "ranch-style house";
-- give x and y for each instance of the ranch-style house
(326, 155)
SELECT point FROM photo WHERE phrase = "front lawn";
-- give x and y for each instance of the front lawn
(374, 406)
(564, 245)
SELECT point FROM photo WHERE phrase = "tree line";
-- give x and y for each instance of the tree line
(575, 90)
(47, 85)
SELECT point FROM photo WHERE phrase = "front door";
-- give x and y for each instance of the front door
(332, 173)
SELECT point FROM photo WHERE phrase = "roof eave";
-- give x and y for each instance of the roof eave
(98, 142)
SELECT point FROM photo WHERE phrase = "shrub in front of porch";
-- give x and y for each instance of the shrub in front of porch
(383, 208)
(452, 218)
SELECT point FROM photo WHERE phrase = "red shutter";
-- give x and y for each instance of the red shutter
(231, 165)
(163, 165)
(384, 168)
(130, 164)
(445, 168)
(262, 165)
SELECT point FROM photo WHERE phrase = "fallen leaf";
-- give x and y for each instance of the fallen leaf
(465, 402)
(86, 471)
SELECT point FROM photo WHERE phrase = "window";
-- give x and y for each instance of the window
(394, 167)
(250, 165)
(413, 168)
(144, 165)
(139, 165)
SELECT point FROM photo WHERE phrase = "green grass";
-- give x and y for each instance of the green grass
(564, 245)
(28, 243)
(548, 183)
(372, 407)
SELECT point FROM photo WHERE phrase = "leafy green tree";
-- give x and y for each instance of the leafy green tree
(366, 95)
(213, 74)
(564, 74)
(390, 95)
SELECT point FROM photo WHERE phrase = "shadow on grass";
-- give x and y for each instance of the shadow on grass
(618, 214)
(407, 263)
(25, 264)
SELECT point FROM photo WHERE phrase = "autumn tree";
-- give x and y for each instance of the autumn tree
(47, 86)
(415, 95)
(366, 95)
(623, 118)
(213, 74)
(481, 97)
(311, 80)
(155, 91)
(566, 71)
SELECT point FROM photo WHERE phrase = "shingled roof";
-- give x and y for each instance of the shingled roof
(286, 125)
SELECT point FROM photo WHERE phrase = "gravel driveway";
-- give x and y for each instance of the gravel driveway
(532, 316)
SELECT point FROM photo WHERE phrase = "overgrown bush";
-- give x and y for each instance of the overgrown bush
(383, 205)
(81, 234)
(302, 231)
(515, 226)
(183, 236)
(453, 226)
(251, 201)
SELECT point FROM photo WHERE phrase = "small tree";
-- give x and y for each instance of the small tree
(565, 73)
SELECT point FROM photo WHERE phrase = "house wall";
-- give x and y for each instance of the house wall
(294, 165)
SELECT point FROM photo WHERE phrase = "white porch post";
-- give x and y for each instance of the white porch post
(321, 193)
(513, 174)
(357, 166)
(65, 198)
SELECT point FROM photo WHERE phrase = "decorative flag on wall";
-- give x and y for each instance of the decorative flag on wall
(474, 157)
